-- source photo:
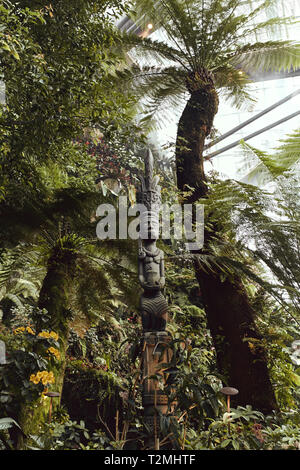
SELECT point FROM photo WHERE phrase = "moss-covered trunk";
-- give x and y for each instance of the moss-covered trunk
(194, 125)
(54, 298)
(240, 352)
(229, 313)
(54, 294)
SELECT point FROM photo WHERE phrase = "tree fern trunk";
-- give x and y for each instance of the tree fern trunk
(194, 125)
(240, 352)
(54, 297)
(229, 313)
(55, 289)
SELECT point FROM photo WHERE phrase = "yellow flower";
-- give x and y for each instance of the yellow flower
(34, 379)
(18, 330)
(43, 397)
(43, 376)
(54, 335)
(54, 351)
(30, 330)
(48, 378)
(44, 380)
(44, 334)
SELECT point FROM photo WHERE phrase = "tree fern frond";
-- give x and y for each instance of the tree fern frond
(155, 50)
(266, 166)
(233, 85)
(28, 288)
(142, 78)
(287, 154)
(254, 170)
(207, 35)
(267, 229)
(161, 88)
(268, 56)
(174, 17)
(269, 25)
(22, 261)
(161, 109)
(15, 299)
(264, 6)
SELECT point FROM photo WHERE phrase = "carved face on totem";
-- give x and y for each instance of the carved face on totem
(151, 268)
(149, 197)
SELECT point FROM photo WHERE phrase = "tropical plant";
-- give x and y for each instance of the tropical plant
(210, 48)
(5, 425)
(264, 251)
(49, 249)
(265, 223)
(261, 168)
(207, 48)
(245, 429)
(71, 298)
(33, 364)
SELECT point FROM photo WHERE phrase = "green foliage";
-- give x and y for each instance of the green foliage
(264, 167)
(266, 228)
(69, 435)
(54, 92)
(29, 353)
(101, 372)
(202, 35)
(6, 423)
(87, 387)
(15, 29)
(66, 129)
(51, 86)
(245, 429)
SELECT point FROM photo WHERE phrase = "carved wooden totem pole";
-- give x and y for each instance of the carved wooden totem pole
(153, 305)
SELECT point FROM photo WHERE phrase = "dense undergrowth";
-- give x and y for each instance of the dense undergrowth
(71, 138)
(100, 406)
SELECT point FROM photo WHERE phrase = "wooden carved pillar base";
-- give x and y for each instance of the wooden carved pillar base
(155, 401)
